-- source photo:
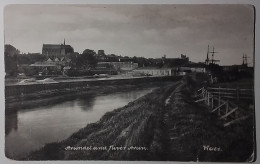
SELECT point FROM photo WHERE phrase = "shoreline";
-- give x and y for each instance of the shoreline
(14, 104)
(135, 105)
(164, 125)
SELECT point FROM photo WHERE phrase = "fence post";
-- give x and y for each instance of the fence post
(227, 106)
(205, 96)
(212, 102)
(218, 95)
(208, 98)
(237, 94)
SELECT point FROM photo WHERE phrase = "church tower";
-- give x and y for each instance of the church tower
(63, 48)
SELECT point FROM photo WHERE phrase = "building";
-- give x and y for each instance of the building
(152, 71)
(48, 67)
(101, 56)
(173, 62)
(104, 68)
(192, 68)
(56, 50)
(51, 66)
(121, 66)
(198, 69)
(101, 52)
(118, 67)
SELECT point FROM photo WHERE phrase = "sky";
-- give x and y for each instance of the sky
(149, 31)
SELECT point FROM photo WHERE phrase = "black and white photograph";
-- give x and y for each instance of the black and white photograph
(129, 82)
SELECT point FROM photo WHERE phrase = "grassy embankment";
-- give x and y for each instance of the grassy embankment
(163, 125)
(136, 124)
(191, 127)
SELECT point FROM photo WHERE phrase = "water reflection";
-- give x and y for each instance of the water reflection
(27, 130)
(11, 122)
(86, 105)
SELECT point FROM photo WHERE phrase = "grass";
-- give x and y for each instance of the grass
(192, 126)
(136, 124)
(176, 132)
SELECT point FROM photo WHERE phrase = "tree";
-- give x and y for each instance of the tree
(86, 60)
(11, 60)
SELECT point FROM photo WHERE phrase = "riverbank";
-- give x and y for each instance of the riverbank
(52, 96)
(163, 125)
(137, 118)
(196, 134)
(19, 90)
(30, 129)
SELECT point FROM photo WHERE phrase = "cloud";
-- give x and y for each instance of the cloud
(135, 30)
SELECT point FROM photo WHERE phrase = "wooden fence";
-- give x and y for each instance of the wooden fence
(218, 99)
(232, 93)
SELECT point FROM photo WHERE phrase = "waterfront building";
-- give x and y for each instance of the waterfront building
(153, 71)
(120, 66)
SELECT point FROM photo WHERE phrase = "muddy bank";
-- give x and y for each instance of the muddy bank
(163, 125)
(53, 96)
(35, 87)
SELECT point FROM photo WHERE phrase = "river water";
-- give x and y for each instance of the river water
(28, 130)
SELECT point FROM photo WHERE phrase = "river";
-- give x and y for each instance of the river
(28, 130)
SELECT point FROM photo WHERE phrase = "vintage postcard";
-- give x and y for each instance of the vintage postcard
(129, 82)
